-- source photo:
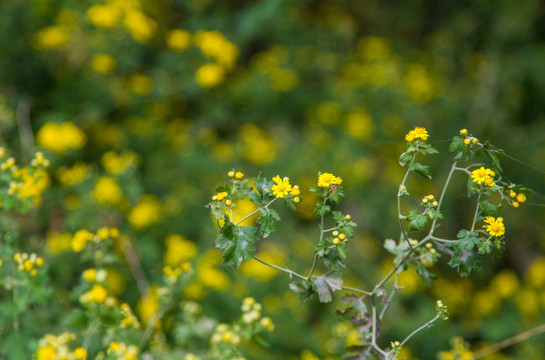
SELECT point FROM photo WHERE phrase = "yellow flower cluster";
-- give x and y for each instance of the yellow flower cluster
(140, 26)
(417, 133)
(327, 179)
(251, 310)
(222, 333)
(29, 183)
(107, 191)
(28, 262)
(517, 198)
(220, 196)
(237, 175)
(51, 37)
(146, 212)
(94, 275)
(52, 347)
(495, 226)
(103, 63)
(178, 250)
(257, 145)
(73, 175)
(215, 46)
(123, 352)
(430, 200)
(469, 140)
(129, 319)
(62, 137)
(337, 237)
(483, 175)
(83, 236)
(174, 272)
(119, 163)
(460, 351)
(96, 295)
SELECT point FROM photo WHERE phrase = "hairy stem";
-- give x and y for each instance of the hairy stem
(426, 325)
(255, 211)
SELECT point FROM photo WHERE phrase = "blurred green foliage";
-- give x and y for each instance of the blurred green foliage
(159, 99)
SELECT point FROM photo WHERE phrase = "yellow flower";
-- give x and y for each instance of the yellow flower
(98, 293)
(80, 353)
(178, 39)
(495, 226)
(359, 124)
(417, 133)
(31, 185)
(147, 211)
(257, 145)
(214, 45)
(521, 197)
(178, 250)
(47, 352)
(327, 179)
(107, 191)
(69, 176)
(140, 84)
(103, 63)
(281, 188)
(80, 239)
(482, 175)
(103, 16)
(295, 190)
(61, 137)
(209, 75)
(118, 164)
(139, 26)
(51, 37)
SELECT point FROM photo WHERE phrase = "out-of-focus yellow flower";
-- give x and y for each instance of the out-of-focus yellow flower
(359, 124)
(308, 355)
(258, 147)
(103, 63)
(51, 37)
(140, 26)
(214, 45)
(148, 306)
(485, 303)
(270, 253)
(283, 79)
(409, 279)
(207, 273)
(147, 211)
(179, 249)
(178, 39)
(535, 274)
(420, 86)
(140, 84)
(47, 352)
(32, 185)
(243, 207)
(61, 137)
(58, 242)
(98, 293)
(119, 163)
(527, 301)
(116, 282)
(80, 239)
(505, 283)
(210, 75)
(107, 191)
(103, 16)
(374, 48)
(70, 176)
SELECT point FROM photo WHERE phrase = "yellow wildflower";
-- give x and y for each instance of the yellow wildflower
(521, 197)
(103, 16)
(178, 39)
(147, 211)
(107, 191)
(417, 133)
(482, 175)
(51, 37)
(327, 179)
(61, 137)
(495, 226)
(281, 188)
(140, 26)
(209, 75)
(103, 63)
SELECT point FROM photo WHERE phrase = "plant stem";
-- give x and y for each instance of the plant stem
(399, 216)
(348, 288)
(428, 324)
(476, 213)
(447, 182)
(509, 342)
(291, 272)
(255, 211)
(314, 262)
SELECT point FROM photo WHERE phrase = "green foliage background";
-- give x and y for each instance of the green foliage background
(316, 86)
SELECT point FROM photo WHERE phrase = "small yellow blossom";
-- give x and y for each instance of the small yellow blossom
(417, 133)
(51, 37)
(103, 63)
(178, 39)
(147, 211)
(483, 175)
(61, 137)
(98, 293)
(327, 179)
(495, 226)
(209, 75)
(281, 187)
(521, 197)
(107, 191)
(140, 26)
(103, 16)
(80, 353)
(463, 132)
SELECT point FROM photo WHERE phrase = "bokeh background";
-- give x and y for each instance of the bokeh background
(143, 107)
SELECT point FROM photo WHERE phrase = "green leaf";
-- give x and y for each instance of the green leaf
(236, 242)
(326, 285)
(457, 144)
(263, 188)
(422, 169)
(303, 288)
(267, 219)
(321, 209)
(488, 209)
(356, 304)
(417, 220)
(426, 275)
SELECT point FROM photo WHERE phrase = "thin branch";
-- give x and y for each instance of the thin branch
(509, 342)
(255, 211)
(426, 325)
(135, 267)
(291, 272)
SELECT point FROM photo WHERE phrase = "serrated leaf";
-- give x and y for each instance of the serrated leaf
(263, 188)
(303, 288)
(426, 275)
(356, 303)
(236, 242)
(326, 285)
(422, 169)
(267, 219)
(456, 144)
(417, 220)
(488, 209)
